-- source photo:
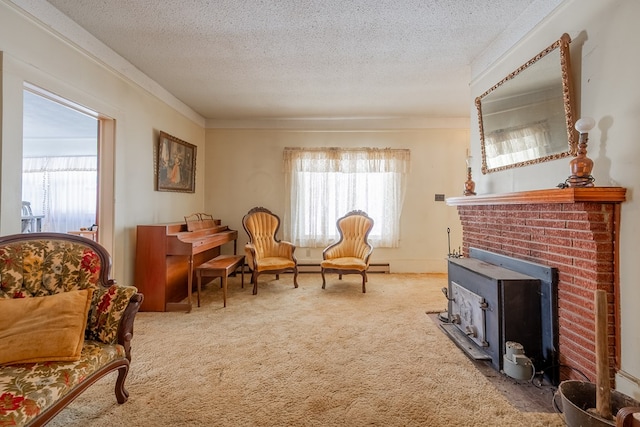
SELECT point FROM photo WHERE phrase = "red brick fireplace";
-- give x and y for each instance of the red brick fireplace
(574, 230)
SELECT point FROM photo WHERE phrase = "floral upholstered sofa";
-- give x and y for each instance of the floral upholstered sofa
(64, 324)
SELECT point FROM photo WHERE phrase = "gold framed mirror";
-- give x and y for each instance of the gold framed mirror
(528, 116)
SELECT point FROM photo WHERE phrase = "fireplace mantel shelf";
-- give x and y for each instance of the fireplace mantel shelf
(555, 195)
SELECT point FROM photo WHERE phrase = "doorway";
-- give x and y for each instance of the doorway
(60, 174)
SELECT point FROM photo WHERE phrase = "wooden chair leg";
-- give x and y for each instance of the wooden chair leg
(323, 280)
(364, 280)
(254, 279)
(122, 395)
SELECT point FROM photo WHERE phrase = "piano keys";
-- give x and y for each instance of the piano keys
(166, 257)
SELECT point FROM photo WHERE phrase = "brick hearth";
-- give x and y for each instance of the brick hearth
(573, 230)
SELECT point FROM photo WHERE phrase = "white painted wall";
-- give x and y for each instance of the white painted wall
(30, 53)
(605, 59)
(244, 169)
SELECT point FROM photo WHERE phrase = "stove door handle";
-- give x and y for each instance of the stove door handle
(445, 291)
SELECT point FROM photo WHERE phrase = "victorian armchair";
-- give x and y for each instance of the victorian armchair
(350, 254)
(264, 252)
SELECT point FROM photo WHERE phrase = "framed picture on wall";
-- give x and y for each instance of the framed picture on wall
(175, 165)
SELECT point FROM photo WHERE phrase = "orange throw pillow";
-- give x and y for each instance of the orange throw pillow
(43, 329)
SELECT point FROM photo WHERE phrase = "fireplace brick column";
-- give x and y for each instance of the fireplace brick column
(574, 230)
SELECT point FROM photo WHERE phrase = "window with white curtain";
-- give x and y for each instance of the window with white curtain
(63, 189)
(325, 183)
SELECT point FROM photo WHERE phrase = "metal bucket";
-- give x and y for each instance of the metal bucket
(579, 396)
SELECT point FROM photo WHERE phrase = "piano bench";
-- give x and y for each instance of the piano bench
(221, 266)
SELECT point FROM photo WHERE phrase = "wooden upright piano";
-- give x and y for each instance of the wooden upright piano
(166, 256)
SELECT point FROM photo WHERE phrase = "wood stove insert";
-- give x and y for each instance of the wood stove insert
(494, 299)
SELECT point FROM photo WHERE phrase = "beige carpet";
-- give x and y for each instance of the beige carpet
(302, 357)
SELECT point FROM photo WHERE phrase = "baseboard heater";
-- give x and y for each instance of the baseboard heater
(315, 268)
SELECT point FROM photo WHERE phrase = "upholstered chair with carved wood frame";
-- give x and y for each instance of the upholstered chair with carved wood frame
(264, 252)
(350, 254)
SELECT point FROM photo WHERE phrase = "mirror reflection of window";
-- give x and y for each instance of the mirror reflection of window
(518, 144)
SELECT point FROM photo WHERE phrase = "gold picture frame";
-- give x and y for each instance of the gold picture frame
(175, 165)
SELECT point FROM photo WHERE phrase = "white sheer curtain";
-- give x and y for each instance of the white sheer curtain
(324, 184)
(517, 144)
(63, 189)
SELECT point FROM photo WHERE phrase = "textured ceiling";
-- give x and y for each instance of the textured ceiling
(256, 59)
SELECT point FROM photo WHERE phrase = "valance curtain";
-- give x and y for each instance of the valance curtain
(323, 184)
(63, 189)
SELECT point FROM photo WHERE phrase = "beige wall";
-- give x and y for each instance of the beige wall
(244, 169)
(605, 59)
(31, 54)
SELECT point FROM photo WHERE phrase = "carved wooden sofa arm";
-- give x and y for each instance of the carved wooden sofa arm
(628, 416)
